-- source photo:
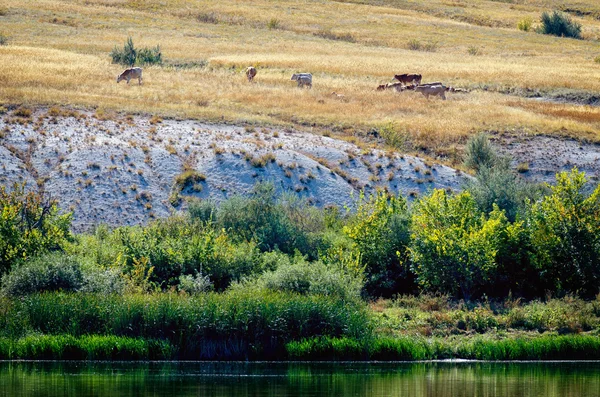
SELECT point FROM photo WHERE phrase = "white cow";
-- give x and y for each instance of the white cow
(434, 90)
(303, 79)
(131, 73)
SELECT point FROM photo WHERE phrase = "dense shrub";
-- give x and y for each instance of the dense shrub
(284, 224)
(380, 232)
(559, 24)
(50, 272)
(129, 55)
(525, 24)
(454, 245)
(30, 224)
(479, 153)
(495, 183)
(194, 284)
(176, 247)
(312, 278)
(102, 281)
(202, 210)
(565, 234)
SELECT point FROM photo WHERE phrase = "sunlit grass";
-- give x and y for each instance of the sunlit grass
(58, 53)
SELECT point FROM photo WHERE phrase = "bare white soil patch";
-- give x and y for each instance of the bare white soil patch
(540, 157)
(121, 170)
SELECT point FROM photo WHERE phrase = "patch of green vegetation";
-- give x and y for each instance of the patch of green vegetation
(130, 56)
(559, 24)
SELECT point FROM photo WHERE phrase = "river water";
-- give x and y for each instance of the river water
(218, 379)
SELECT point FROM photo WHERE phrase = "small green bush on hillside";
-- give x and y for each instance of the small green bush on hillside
(559, 24)
(130, 56)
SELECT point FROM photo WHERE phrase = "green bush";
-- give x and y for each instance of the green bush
(202, 210)
(149, 56)
(454, 245)
(286, 224)
(495, 183)
(129, 55)
(479, 153)
(194, 284)
(175, 246)
(102, 281)
(380, 233)
(559, 24)
(30, 224)
(525, 24)
(50, 272)
(564, 232)
(312, 278)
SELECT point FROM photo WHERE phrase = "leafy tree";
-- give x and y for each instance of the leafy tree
(30, 224)
(565, 230)
(380, 235)
(454, 245)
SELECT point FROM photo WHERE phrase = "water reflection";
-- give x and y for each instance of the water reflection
(60, 379)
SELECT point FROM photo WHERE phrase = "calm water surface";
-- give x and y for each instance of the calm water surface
(59, 379)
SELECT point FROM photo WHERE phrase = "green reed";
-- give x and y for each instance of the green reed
(235, 325)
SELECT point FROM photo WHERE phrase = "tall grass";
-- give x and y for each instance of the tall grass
(235, 325)
(373, 51)
(547, 347)
(86, 347)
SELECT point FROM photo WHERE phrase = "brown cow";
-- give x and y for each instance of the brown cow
(408, 78)
(250, 73)
(131, 73)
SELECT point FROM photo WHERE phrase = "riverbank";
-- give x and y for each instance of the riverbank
(120, 348)
(252, 325)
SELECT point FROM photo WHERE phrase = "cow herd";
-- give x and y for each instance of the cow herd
(406, 81)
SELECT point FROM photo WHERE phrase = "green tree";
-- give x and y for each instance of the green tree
(454, 245)
(565, 230)
(30, 223)
(380, 235)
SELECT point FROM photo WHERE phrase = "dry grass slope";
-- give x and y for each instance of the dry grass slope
(58, 53)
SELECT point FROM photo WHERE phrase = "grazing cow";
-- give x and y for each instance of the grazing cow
(250, 73)
(434, 90)
(430, 84)
(131, 73)
(303, 79)
(408, 78)
(391, 86)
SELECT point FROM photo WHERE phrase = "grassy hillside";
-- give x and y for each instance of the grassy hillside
(58, 52)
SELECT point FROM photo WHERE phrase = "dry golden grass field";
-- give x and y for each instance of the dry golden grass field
(57, 52)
